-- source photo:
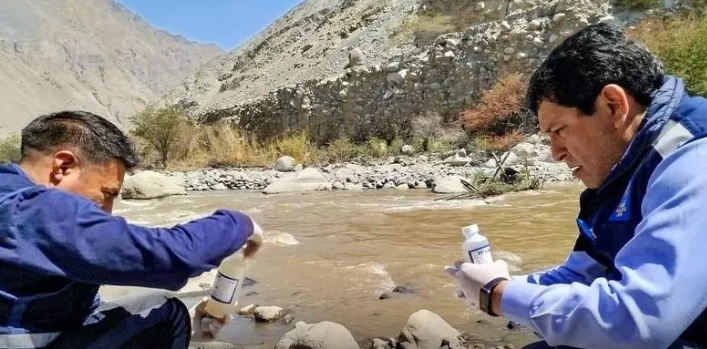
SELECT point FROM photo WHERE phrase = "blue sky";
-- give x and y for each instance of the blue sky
(226, 23)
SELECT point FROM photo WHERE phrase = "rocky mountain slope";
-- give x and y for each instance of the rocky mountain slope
(89, 54)
(312, 41)
(361, 68)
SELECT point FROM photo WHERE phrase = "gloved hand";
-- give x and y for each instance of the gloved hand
(254, 242)
(472, 277)
(205, 328)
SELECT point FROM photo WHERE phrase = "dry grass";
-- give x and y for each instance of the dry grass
(498, 144)
(224, 145)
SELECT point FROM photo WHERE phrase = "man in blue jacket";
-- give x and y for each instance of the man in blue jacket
(636, 277)
(59, 243)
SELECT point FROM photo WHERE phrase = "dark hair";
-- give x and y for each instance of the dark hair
(577, 70)
(94, 138)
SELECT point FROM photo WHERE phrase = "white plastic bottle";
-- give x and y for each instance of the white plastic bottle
(475, 248)
(228, 281)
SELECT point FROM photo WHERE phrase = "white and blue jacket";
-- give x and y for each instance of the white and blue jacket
(637, 277)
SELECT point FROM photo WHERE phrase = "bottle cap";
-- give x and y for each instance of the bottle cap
(470, 230)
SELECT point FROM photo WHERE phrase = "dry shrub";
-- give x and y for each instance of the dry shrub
(495, 144)
(431, 126)
(501, 109)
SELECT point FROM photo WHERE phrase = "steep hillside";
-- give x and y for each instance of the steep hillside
(94, 55)
(312, 41)
(362, 68)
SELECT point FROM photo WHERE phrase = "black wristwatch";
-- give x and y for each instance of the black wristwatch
(485, 295)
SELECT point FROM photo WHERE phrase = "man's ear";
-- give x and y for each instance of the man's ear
(616, 100)
(64, 163)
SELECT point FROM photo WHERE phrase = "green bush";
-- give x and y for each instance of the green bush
(10, 148)
(160, 129)
(680, 44)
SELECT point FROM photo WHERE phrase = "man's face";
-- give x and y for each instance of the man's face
(589, 144)
(99, 183)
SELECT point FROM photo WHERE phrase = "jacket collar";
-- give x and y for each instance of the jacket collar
(666, 99)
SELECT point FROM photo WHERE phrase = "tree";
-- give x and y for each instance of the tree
(160, 129)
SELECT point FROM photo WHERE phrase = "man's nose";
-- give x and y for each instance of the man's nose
(557, 149)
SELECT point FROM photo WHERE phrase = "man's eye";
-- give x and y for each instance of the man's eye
(560, 131)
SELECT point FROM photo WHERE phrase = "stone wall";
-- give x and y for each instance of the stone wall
(444, 78)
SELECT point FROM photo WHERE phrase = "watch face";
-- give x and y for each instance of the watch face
(484, 301)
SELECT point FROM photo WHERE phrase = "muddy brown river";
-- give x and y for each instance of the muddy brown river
(330, 255)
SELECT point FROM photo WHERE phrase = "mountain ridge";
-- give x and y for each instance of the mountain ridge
(63, 54)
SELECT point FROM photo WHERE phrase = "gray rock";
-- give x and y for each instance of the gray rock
(268, 313)
(219, 186)
(147, 185)
(356, 57)
(306, 180)
(448, 185)
(353, 186)
(523, 151)
(427, 330)
(285, 164)
(248, 309)
(322, 335)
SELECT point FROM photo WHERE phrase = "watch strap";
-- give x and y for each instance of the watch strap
(485, 295)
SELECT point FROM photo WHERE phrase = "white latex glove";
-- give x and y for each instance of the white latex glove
(472, 277)
(254, 242)
(205, 328)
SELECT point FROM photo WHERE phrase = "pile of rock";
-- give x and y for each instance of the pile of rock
(441, 173)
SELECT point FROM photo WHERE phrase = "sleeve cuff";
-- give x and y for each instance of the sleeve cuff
(516, 301)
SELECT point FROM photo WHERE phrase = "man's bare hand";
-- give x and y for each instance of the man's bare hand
(205, 328)
(254, 242)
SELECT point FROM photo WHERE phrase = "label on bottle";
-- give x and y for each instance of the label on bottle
(224, 289)
(481, 255)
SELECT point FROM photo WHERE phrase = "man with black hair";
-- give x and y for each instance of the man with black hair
(59, 243)
(636, 277)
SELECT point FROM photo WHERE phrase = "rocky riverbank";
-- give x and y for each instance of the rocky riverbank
(437, 172)
(423, 330)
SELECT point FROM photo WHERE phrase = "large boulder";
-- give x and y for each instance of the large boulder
(323, 335)
(427, 330)
(147, 185)
(306, 180)
(285, 164)
(448, 185)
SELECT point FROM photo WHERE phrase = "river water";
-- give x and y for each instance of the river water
(330, 255)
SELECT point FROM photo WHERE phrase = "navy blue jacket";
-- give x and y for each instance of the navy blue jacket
(57, 248)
